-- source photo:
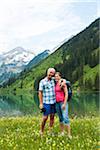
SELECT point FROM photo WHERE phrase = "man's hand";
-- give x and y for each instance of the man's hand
(63, 106)
(41, 106)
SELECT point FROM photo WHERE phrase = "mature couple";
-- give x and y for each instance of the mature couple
(53, 97)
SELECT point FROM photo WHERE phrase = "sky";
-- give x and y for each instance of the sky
(37, 25)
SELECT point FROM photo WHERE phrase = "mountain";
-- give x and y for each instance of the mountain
(77, 60)
(13, 62)
(17, 56)
(37, 59)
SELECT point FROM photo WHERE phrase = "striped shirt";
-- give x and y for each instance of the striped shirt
(48, 89)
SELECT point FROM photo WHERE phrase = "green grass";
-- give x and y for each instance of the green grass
(90, 73)
(23, 133)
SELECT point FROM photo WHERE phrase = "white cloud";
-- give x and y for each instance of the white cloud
(98, 9)
(24, 20)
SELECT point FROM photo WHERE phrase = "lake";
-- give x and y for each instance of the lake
(81, 104)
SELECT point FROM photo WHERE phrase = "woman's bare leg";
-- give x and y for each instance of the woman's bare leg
(62, 127)
(68, 129)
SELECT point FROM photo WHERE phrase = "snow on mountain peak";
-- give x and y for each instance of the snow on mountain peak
(15, 60)
(18, 54)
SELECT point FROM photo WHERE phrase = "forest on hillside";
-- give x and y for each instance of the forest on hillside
(77, 60)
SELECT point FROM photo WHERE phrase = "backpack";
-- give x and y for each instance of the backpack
(69, 90)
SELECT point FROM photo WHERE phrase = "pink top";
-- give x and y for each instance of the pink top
(59, 93)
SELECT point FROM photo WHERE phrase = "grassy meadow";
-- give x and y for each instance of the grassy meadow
(23, 133)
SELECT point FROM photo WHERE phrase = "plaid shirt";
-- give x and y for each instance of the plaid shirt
(48, 89)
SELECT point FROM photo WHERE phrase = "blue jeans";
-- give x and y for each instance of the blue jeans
(62, 114)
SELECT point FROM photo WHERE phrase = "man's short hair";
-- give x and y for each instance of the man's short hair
(51, 70)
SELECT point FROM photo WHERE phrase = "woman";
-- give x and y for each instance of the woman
(62, 104)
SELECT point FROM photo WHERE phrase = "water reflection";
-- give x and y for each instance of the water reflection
(82, 104)
(17, 105)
